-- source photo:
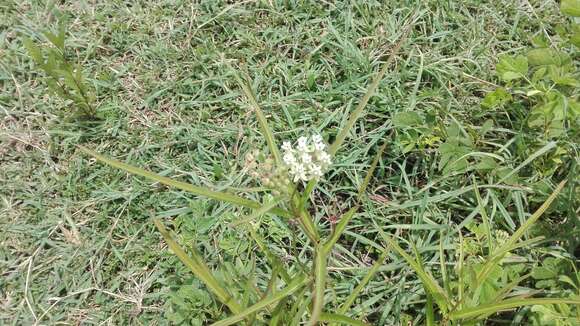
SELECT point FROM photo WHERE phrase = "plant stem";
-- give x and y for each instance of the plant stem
(319, 283)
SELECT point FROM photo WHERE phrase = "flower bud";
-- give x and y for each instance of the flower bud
(266, 181)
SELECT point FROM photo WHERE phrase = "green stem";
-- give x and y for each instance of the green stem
(319, 284)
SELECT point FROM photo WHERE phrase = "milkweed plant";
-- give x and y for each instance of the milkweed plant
(297, 294)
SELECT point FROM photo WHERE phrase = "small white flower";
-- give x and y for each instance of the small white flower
(299, 172)
(324, 158)
(319, 146)
(315, 170)
(309, 160)
(289, 158)
(306, 158)
(287, 146)
(303, 144)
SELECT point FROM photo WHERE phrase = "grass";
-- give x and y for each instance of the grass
(78, 244)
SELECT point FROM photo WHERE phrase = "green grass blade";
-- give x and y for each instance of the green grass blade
(507, 289)
(273, 260)
(428, 281)
(299, 308)
(371, 171)
(257, 213)
(341, 137)
(199, 269)
(358, 289)
(460, 286)
(529, 222)
(532, 157)
(291, 288)
(443, 266)
(262, 121)
(336, 318)
(508, 304)
(510, 244)
(200, 191)
(278, 312)
(33, 50)
(484, 217)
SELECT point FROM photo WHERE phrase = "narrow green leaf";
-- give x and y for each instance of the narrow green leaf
(428, 281)
(199, 269)
(299, 308)
(340, 227)
(532, 157)
(257, 213)
(508, 304)
(278, 313)
(33, 51)
(529, 222)
(460, 267)
(273, 260)
(337, 318)
(358, 289)
(295, 285)
(200, 191)
(510, 244)
(506, 289)
(55, 40)
(570, 7)
(484, 217)
(371, 170)
(61, 36)
(341, 137)
(443, 265)
(262, 121)
(307, 224)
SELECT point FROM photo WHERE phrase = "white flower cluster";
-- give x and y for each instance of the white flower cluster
(309, 160)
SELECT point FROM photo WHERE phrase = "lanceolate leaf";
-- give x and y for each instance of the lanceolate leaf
(341, 137)
(262, 122)
(340, 227)
(291, 288)
(257, 213)
(354, 294)
(570, 7)
(487, 309)
(199, 269)
(341, 319)
(428, 281)
(200, 191)
(510, 244)
(33, 51)
(529, 222)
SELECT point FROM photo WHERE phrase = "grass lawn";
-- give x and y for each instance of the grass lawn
(77, 245)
